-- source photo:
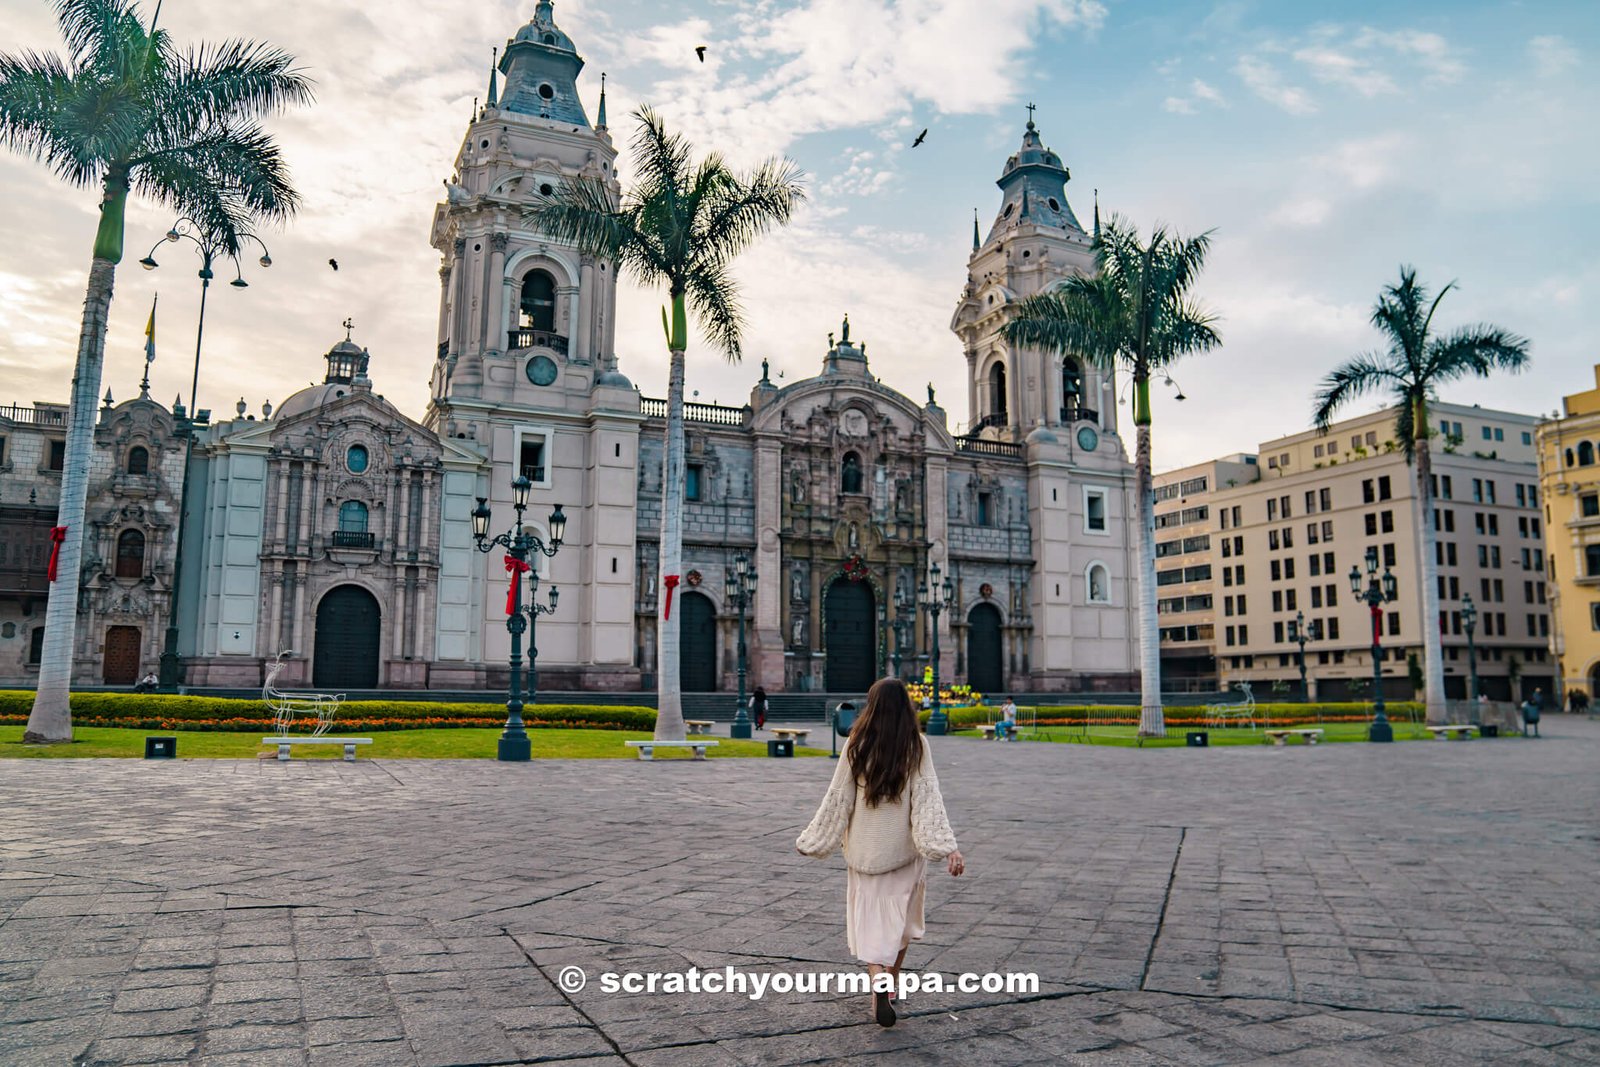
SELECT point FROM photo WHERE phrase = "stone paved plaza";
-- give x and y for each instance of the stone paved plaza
(1423, 903)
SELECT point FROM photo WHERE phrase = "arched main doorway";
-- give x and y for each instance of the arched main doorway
(850, 637)
(985, 662)
(348, 625)
(697, 644)
(121, 665)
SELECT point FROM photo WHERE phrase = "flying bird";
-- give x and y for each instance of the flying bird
(923, 136)
(334, 263)
(700, 50)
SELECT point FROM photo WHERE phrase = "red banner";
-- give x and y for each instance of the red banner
(671, 581)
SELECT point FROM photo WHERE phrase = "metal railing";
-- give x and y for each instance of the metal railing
(978, 446)
(1079, 414)
(33, 416)
(537, 339)
(354, 539)
(656, 408)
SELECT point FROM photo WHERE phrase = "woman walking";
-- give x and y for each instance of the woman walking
(758, 707)
(884, 806)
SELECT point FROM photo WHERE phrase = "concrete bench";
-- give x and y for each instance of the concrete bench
(647, 748)
(797, 735)
(349, 743)
(1444, 733)
(1281, 737)
(699, 726)
(1004, 731)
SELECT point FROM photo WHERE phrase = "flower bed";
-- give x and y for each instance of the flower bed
(160, 711)
(1184, 717)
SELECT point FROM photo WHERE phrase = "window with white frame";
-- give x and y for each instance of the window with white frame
(534, 459)
(1094, 511)
(1097, 583)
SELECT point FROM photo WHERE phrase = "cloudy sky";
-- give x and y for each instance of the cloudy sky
(1325, 143)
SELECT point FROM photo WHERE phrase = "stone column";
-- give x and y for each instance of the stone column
(494, 341)
(583, 327)
(444, 302)
(458, 298)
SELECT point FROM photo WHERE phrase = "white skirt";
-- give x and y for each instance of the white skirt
(883, 912)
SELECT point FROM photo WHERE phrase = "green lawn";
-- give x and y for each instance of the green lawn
(1127, 736)
(97, 741)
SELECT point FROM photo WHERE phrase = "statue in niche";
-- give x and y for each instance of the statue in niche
(902, 495)
(797, 583)
(850, 476)
(797, 485)
(797, 630)
(853, 538)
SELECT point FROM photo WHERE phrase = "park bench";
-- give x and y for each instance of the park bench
(797, 735)
(349, 744)
(1005, 731)
(647, 748)
(1444, 733)
(1281, 737)
(699, 726)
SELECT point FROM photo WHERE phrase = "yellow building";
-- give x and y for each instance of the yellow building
(1569, 478)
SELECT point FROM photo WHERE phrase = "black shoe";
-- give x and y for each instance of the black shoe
(883, 1010)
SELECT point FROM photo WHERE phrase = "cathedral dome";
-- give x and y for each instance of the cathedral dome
(543, 30)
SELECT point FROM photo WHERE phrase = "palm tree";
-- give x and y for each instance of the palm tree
(1413, 363)
(126, 111)
(681, 225)
(1135, 313)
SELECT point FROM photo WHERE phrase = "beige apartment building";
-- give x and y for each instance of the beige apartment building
(1570, 481)
(1285, 530)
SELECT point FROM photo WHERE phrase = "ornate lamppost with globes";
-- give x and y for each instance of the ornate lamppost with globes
(519, 544)
(1300, 633)
(1469, 622)
(534, 610)
(1378, 592)
(739, 587)
(210, 246)
(935, 596)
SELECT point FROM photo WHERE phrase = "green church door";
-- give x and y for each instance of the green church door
(985, 668)
(850, 637)
(697, 644)
(348, 626)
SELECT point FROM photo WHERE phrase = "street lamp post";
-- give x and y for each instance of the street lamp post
(210, 246)
(1378, 591)
(1469, 621)
(1300, 634)
(935, 596)
(534, 610)
(739, 587)
(904, 615)
(519, 544)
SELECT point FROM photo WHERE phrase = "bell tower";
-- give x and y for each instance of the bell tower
(1034, 243)
(521, 314)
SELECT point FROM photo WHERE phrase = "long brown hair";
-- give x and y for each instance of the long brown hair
(885, 742)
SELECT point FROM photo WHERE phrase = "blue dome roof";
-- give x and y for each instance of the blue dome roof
(543, 30)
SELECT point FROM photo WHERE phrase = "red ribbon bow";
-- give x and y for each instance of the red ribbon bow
(516, 568)
(58, 534)
(672, 583)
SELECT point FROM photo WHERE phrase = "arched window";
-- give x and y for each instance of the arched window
(1570, 461)
(138, 460)
(352, 517)
(850, 473)
(130, 554)
(1585, 453)
(538, 302)
(1097, 580)
(1072, 398)
(997, 391)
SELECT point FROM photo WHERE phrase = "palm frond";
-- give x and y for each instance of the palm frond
(738, 209)
(231, 81)
(95, 30)
(1476, 351)
(1349, 380)
(34, 91)
(239, 167)
(1084, 317)
(714, 297)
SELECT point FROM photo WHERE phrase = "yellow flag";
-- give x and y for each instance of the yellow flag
(150, 334)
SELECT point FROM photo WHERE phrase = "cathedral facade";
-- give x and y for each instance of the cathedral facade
(339, 528)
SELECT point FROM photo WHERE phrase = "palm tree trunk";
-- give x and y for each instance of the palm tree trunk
(1432, 643)
(50, 721)
(1151, 721)
(669, 702)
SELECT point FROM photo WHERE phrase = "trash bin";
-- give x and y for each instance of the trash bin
(1489, 729)
(1197, 738)
(160, 748)
(844, 717)
(780, 748)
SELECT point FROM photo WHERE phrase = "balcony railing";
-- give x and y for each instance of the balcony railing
(33, 416)
(537, 339)
(994, 418)
(354, 539)
(717, 414)
(978, 446)
(1074, 414)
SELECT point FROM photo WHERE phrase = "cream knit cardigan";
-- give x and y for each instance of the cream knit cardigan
(887, 837)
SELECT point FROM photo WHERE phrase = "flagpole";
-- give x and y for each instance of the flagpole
(149, 348)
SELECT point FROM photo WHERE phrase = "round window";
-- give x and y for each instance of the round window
(1055, 205)
(1006, 214)
(549, 38)
(357, 458)
(546, 189)
(541, 370)
(547, 91)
